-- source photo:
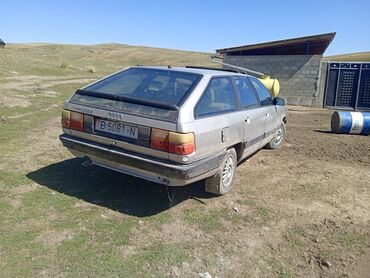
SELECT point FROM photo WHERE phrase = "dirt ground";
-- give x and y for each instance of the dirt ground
(300, 211)
(318, 186)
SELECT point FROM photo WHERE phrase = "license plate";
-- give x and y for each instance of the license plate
(115, 128)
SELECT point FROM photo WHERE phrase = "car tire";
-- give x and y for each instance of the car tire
(222, 181)
(279, 138)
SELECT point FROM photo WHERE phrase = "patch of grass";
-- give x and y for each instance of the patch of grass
(279, 269)
(11, 179)
(63, 65)
(160, 253)
(296, 236)
(111, 232)
(208, 221)
(159, 219)
(14, 132)
(236, 217)
(84, 258)
(352, 241)
(91, 69)
(92, 249)
(309, 191)
(263, 213)
(9, 216)
(13, 111)
(24, 255)
(326, 253)
(340, 240)
(40, 201)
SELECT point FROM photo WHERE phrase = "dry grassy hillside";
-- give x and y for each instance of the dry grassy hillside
(54, 59)
(360, 57)
(99, 60)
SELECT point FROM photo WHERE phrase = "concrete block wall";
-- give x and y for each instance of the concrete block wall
(299, 75)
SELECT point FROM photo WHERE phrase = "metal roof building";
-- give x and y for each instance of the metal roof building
(310, 45)
(296, 63)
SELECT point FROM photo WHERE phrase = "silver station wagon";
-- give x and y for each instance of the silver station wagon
(173, 126)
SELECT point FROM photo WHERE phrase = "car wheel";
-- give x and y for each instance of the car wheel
(279, 138)
(221, 183)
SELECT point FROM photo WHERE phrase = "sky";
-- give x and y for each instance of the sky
(188, 24)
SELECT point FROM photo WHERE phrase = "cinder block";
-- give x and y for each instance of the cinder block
(292, 101)
(305, 101)
(315, 62)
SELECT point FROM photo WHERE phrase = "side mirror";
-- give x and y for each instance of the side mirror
(279, 101)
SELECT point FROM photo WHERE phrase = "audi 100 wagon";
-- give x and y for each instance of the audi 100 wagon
(173, 126)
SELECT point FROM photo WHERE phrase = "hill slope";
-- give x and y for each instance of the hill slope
(55, 59)
(355, 57)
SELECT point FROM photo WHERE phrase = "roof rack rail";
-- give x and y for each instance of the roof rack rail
(211, 68)
(216, 59)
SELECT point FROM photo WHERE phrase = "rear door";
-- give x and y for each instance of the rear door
(217, 122)
(253, 115)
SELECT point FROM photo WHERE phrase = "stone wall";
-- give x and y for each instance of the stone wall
(299, 75)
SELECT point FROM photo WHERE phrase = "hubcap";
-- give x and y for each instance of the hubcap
(279, 136)
(228, 171)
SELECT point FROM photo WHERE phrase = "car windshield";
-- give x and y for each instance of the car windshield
(146, 85)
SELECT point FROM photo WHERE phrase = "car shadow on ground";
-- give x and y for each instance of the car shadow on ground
(324, 131)
(117, 191)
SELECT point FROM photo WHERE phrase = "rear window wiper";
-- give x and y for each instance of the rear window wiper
(128, 99)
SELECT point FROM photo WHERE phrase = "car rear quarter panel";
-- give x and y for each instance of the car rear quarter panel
(215, 133)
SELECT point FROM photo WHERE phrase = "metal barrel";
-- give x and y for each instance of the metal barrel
(350, 122)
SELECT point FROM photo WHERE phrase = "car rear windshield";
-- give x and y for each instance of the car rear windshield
(146, 86)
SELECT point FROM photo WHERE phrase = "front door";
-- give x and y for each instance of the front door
(269, 110)
(252, 115)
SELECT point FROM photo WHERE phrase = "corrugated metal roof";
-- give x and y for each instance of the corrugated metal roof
(309, 45)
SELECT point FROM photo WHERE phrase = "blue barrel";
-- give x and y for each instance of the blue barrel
(350, 122)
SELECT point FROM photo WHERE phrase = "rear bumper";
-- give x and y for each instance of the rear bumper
(142, 166)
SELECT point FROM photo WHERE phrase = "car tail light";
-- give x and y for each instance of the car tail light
(66, 119)
(172, 142)
(159, 139)
(181, 143)
(73, 120)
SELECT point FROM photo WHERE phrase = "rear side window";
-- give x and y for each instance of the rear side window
(246, 92)
(263, 94)
(218, 98)
(149, 85)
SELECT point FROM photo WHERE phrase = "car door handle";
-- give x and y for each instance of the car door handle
(267, 115)
(248, 120)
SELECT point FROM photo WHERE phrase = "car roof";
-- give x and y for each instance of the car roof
(197, 70)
